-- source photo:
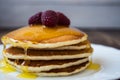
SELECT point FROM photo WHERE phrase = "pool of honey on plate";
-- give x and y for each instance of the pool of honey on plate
(94, 66)
(7, 68)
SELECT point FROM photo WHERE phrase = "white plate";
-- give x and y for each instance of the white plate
(107, 57)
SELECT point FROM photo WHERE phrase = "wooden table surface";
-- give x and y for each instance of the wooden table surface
(99, 36)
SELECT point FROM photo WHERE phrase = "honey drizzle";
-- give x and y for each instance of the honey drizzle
(93, 66)
(25, 47)
(4, 44)
(27, 75)
(25, 51)
(4, 47)
(5, 67)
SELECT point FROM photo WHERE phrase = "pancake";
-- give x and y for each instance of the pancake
(45, 65)
(62, 71)
(40, 37)
(32, 54)
(66, 71)
(47, 47)
(81, 45)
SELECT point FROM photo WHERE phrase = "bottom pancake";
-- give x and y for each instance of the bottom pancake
(65, 71)
(57, 72)
(45, 65)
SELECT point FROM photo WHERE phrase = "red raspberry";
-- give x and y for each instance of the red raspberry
(62, 19)
(35, 19)
(49, 18)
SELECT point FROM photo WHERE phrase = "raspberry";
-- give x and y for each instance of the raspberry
(35, 19)
(49, 18)
(62, 19)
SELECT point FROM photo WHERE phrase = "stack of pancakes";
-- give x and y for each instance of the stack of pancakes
(47, 52)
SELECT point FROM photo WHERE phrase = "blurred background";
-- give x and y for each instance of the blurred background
(95, 17)
(83, 13)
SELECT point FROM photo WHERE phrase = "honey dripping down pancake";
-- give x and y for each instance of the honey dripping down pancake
(47, 46)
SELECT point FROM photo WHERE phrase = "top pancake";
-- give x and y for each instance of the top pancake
(42, 37)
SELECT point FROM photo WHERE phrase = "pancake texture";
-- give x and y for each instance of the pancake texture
(57, 51)
(18, 53)
(58, 72)
(43, 65)
(38, 37)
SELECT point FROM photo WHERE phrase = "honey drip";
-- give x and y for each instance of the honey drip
(5, 67)
(25, 51)
(27, 75)
(4, 47)
(4, 44)
(94, 66)
(25, 47)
